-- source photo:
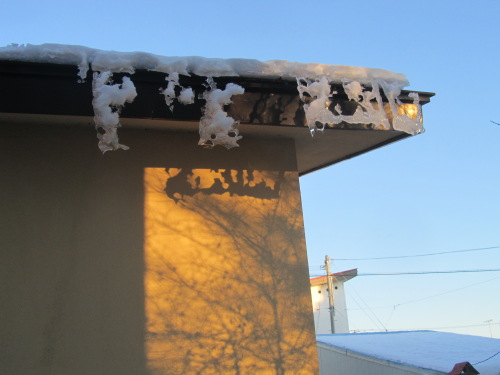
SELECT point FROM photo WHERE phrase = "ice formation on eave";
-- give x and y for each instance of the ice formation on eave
(216, 127)
(370, 107)
(362, 85)
(107, 102)
(186, 95)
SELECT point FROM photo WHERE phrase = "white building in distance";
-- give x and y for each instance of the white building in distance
(319, 295)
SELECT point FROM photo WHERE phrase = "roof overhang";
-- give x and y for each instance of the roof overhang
(337, 277)
(270, 108)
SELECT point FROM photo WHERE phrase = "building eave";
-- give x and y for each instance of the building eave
(269, 108)
(337, 277)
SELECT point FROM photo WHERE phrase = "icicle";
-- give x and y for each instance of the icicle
(317, 110)
(406, 117)
(107, 102)
(370, 107)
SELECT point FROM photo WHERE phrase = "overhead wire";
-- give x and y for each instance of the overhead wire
(377, 321)
(487, 359)
(366, 305)
(422, 255)
(424, 272)
(435, 295)
(367, 309)
(416, 272)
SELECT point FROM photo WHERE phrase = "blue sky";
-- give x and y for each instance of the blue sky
(436, 192)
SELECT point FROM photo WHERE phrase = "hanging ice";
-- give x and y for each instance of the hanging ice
(216, 128)
(317, 110)
(169, 92)
(107, 102)
(364, 88)
(370, 108)
(409, 121)
(186, 95)
(407, 117)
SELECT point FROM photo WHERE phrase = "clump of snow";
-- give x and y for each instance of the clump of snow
(186, 95)
(107, 102)
(216, 127)
(128, 62)
(50, 53)
(334, 73)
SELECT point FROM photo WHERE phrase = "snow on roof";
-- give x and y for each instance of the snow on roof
(438, 351)
(363, 86)
(128, 62)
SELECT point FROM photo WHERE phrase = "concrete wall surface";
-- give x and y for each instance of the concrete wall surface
(164, 259)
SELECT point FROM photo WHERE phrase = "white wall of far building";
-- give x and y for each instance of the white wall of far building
(322, 323)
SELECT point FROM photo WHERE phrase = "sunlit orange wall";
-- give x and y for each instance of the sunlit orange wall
(164, 259)
(226, 285)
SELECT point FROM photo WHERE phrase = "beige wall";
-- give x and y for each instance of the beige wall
(164, 259)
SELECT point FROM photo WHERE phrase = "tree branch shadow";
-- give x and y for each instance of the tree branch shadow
(234, 297)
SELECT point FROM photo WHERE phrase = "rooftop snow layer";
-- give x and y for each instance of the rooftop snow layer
(433, 350)
(128, 62)
(373, 94)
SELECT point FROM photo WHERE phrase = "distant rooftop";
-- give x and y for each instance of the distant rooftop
(438, 351)
(338, 276)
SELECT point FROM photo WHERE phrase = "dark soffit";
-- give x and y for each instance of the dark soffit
(53, 90)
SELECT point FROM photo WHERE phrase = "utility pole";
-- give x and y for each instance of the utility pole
(330, 293)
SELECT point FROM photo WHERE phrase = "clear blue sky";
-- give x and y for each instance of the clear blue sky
(438, 191)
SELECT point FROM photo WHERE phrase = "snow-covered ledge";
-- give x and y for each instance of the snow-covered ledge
(272, 92)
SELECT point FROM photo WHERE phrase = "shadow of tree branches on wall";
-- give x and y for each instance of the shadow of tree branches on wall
(227, 288)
